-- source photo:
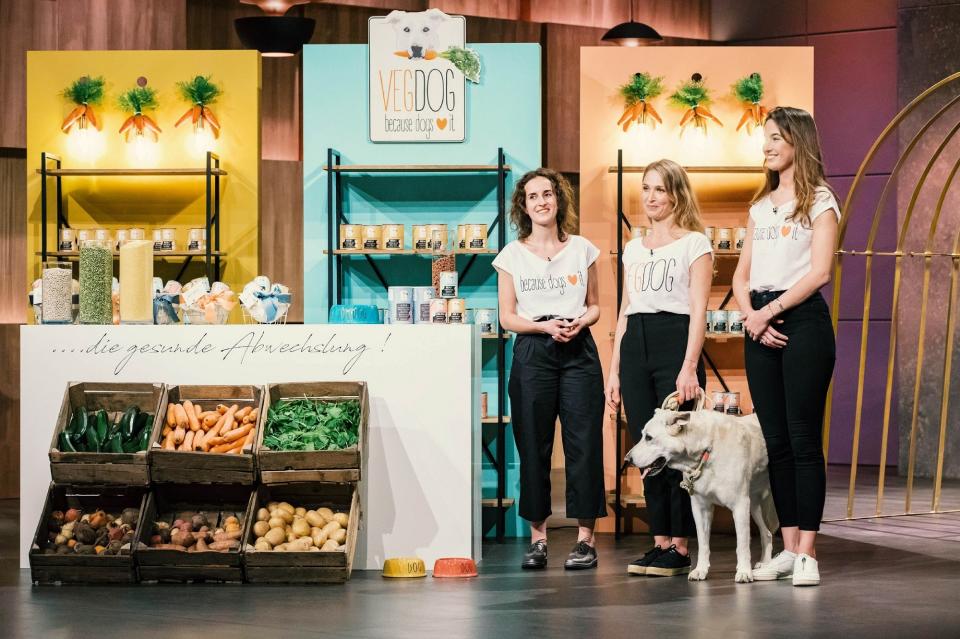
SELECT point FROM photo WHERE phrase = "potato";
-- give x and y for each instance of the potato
(330, 545)
(234, 527)
(287, 507)
(300, 545)
(276, 522)
(319, 537)
(285, 515)
(342, 518)
(271, 505)
(292, 536)
(301, 528)
(263, 545)
(261, 528)
(280, 548)
(326, 513)
(330, 527)
(263, 514)
(275, 536)
(300, 512)
(339, 536)
(314, 518)
(314, 549)
(231, 521)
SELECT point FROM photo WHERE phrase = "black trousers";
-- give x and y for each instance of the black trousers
(651, 356)
(789, 390)
(549, 380)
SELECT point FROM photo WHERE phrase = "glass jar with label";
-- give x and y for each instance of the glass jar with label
(68, 240)
(96, 282)
(197, 240)
(57, 293)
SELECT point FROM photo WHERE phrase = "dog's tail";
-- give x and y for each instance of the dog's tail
(769, 512)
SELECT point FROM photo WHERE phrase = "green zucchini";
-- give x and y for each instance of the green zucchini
(93, 440)
(79, 423)
(114, 445)
(66, 446)
(128, 421)
(144, 442)
(103, 426)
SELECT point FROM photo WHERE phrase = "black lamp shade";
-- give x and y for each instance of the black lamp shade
(275, 35)
(632, 34)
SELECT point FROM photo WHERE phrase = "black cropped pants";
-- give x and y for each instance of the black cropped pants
(548, 380)
(651, 356)
(789, 390)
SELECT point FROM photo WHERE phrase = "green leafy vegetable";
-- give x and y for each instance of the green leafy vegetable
(690, 94)
(467, 60)
(199, 90)
(85, 90)
(138, 100)
(312, 424)
(749, 88)
(641, 87)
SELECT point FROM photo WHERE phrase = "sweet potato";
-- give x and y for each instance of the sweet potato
(230, 544)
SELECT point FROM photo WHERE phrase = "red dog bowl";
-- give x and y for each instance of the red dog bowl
(454, 568)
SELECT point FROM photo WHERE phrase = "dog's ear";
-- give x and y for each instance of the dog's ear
(395, 16)
(435, 15)
(676, 422)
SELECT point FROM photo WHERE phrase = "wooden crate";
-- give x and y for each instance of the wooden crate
(184, 467)
(284, 467)
(304, 567)
(104, 468)
(84, 569)
(165, 502)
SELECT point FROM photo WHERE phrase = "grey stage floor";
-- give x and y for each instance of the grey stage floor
(869, 591)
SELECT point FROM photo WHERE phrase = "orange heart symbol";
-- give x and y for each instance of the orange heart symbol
(572, 279)
(442, 123)
(785, 230)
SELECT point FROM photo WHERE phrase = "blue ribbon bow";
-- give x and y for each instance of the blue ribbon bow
(271, 302)
(163, 304)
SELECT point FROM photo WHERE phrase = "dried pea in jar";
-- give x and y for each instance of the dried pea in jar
(96, 282)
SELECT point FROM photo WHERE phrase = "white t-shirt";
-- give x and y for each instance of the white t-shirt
(549, 287)
(781, 247)
(659, 279)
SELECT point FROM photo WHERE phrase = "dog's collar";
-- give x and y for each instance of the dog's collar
(690, 478)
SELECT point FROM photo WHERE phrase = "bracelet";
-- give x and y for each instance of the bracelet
(692, 361)
(780, 304)
(770, 310)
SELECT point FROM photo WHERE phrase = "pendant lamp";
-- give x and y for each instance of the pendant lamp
(632, 34)
(275, 34)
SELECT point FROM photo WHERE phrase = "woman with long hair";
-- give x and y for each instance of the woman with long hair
(786, 258)
(547, 289)
(657, 346)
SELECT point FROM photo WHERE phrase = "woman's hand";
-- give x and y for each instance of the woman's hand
(687, 383)
(773, 338)
(554, 328)
(573, 328)
(612, 392)
(755, 323)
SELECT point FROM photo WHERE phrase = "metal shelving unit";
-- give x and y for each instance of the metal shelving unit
(337, 173)
(211, 172)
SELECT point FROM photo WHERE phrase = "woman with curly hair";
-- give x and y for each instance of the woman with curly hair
(547, 286)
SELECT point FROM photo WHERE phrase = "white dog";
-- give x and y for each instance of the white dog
(724, 461)
(417, 33)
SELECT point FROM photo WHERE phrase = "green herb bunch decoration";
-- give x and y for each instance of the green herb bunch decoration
(466, 60)
(85, 92)
(749, 89)
(200, 92)
(136, 101)
(694, 96)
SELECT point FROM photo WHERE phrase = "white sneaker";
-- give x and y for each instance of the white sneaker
(806, 571)
(780, 567)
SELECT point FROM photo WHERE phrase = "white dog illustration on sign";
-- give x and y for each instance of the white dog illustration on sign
(418, 34)
(724, 462)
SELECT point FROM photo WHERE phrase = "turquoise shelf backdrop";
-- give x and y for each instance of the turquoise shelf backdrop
(502, 111)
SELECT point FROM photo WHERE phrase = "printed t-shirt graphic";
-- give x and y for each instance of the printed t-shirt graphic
(659, 280)
(781, 246)
(549, 287)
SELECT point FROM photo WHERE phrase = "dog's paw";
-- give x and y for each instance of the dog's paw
(698, 574)
(744, 576)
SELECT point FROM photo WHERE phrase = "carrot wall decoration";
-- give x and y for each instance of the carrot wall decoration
(694, 97)
(85, 92)
(200, 92)
(136, 101)
(749, 89)
(636, 100)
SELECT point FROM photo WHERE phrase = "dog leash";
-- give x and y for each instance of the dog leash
(689, 479)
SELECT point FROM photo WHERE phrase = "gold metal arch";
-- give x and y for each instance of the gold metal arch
(868, 253)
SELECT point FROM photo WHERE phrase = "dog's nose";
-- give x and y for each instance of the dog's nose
(416, 51)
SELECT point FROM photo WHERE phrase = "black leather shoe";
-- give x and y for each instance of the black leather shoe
(669, 564)
(536, 556)
(582, 557)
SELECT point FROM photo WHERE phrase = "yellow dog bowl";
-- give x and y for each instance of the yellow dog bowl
(404, 567)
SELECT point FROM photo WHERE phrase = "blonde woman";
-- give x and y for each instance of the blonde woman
(547, 289)
(657, 346)
(787, 257)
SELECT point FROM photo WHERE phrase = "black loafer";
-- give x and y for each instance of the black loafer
(536, 556)
(639, 566)
(582, 557)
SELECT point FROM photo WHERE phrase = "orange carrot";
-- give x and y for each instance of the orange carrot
(228, 420)
(178, 434)
(183, 118)
(91, 117)
(198, 440)
(191, 416)
(72, 118)
(210, 420)
(221, 409)
(237, 433)
(187, 441)
(653, 113)
(171, 415)
(209, 117)
(243, 412)
(686, 116)
(168, 443)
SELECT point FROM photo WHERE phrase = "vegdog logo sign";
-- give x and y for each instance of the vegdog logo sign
(416, 88)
